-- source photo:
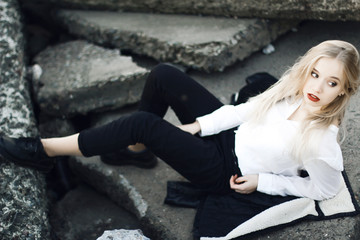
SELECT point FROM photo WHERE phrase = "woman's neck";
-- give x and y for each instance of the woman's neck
(302, 112)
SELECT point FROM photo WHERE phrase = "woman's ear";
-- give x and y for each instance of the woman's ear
(341, 94)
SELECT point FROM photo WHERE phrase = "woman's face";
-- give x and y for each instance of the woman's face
(324, 83)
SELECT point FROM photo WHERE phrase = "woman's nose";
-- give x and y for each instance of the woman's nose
(318, 86)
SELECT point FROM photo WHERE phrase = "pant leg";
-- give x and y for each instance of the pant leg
(198, 160)
(167, 86)
(208, 162)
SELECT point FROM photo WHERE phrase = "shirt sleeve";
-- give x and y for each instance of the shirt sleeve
(226, 117)
(323, 182)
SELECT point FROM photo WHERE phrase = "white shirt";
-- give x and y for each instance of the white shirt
(264, 149)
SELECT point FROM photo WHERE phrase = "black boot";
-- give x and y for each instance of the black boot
(143, 159)
(26, 152)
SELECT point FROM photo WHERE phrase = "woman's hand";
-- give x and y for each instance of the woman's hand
(245, 184)
(192, 128)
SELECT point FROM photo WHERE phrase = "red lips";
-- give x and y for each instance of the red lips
(313, 98)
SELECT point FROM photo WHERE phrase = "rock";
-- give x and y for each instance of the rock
(123, 235)
(204, 43)
(85, 214)
(142, 192)
(79, 77)
(56, 127)
(291, 9)
(23, 201)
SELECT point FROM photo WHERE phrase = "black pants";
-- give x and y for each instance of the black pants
(207, 162)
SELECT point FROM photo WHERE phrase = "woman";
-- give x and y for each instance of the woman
(291, 127)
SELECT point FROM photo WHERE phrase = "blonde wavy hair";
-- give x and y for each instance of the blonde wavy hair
(291, 84)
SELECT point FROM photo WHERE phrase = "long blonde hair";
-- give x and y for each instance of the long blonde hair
(291, 84)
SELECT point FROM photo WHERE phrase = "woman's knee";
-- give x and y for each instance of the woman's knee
(162, 74)
(143, 118)
(163, 67)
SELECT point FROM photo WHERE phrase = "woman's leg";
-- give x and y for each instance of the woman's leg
(62, 146)
(197, 160)
(166, 86)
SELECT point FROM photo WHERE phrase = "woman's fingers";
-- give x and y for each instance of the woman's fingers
(232, 180)
(244, 184)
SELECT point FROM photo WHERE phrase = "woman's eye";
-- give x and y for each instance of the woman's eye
(332, 84)
(314, 74)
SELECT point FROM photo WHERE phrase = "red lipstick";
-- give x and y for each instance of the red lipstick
(313, 98)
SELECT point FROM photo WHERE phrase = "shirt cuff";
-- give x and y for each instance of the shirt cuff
(265, 183)
(206, 126)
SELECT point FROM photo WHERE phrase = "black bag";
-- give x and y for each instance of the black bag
(255, 84)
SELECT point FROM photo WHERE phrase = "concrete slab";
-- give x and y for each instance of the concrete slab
(142, 192)
(85, 214)
(298, 9)
(79, 77)
(124, 182)
(204, 43)
(23, 200)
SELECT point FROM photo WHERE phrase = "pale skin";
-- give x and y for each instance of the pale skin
(323, 85)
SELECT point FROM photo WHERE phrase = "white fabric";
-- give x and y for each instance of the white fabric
(292, 210)
(341, 203)
(274, 216)
(264, 150)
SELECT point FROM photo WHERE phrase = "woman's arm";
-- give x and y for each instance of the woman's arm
(323, 182)
(224, 118)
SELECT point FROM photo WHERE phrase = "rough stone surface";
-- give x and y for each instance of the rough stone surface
(291, 9)
(56, 127)
(79, 77)
(141, 192)
(288, 48)
(85, 214)
(204, 43)
(23, 203)
(123, 234)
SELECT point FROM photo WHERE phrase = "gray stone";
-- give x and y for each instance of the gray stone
(79, 77)
(142, 192)
(332, 10)
(130, 181)
(85, 214)
(56, 127)
(204, 43)
(123, 234)
(23, 202)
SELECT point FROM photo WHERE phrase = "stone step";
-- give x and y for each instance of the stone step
(142, 192)
(85, 214)
(23, 199)
(289, 9)
(204, 43)
(79, 77)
